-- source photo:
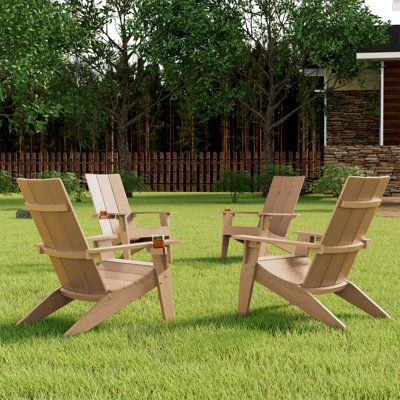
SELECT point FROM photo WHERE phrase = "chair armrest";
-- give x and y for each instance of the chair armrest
(96, 253)
(233, 213)
(291, 215)
(133, 213)
(110, 215)
(316, 236)
(101, 238)
(260, 239)
(317, 247)
(246, 212)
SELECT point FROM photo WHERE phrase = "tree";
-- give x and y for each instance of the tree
(197, 44)
(36, 37)
(287, 37)
(114, 53)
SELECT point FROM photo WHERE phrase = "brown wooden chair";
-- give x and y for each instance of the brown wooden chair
(108, 195)
(297, 278)
(112, 285)
(275, 217)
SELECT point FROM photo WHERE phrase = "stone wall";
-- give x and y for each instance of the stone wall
(380, 160)
(353, 118)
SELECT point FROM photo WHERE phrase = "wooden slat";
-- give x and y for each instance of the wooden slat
(99, 204)
(46, 207)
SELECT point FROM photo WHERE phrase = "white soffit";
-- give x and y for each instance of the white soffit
(379, 55)
(396, 5)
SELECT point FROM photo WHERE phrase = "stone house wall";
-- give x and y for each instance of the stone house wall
(353, 118)
(380, 160)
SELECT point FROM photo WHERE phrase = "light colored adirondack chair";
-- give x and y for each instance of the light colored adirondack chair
(275, 217)
(108, 194)
(297, 278)
(112, 285)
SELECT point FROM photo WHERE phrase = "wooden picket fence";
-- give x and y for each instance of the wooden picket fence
(190, 172)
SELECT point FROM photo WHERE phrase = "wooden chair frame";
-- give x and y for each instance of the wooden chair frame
(275, 218)
(297, 278)
(108, 195)
(111, 285)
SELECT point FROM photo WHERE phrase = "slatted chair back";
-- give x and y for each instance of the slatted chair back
(61, 234)
(282, 197)
(344, 236)
(108, 194)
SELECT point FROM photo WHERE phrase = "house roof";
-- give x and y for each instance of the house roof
(387, 51)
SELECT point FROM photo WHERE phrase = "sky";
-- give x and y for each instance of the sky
(383, 8)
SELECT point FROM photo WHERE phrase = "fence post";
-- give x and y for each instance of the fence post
(214, 168)
(168, 171)
(193, 175)
(174, 171)
(201, 172)
(208, 171)
(155, 172)
(187, 172)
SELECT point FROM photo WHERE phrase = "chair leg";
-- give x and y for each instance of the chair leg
(245, 289)
(53, 302)
(358, 298)
(111, 304)
(302, 299)
(224, 245)
(170, 258)
(166, 295)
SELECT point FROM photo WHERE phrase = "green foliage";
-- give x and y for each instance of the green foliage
(264, 179)
(7, 183)
(36, 37)
(235, 182)
(131, 181)
(72, 184)
(334, 177)
(198, 44)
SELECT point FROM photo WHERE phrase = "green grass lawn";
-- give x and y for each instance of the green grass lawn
(277, 352)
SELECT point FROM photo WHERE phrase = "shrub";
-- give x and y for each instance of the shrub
(234, 182)
(264, 179)
(333, 178)
(131, 181)
(7, 183)
(72, 184)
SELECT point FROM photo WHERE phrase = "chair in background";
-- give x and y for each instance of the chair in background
(275, 217)
(109, 198)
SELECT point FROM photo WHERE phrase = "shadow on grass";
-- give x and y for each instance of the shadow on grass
(273, 320)
(50, 327)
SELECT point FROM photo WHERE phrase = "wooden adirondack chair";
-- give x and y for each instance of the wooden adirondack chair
(297, 278)
(112, 285)
(275, 217)
(108, 195)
